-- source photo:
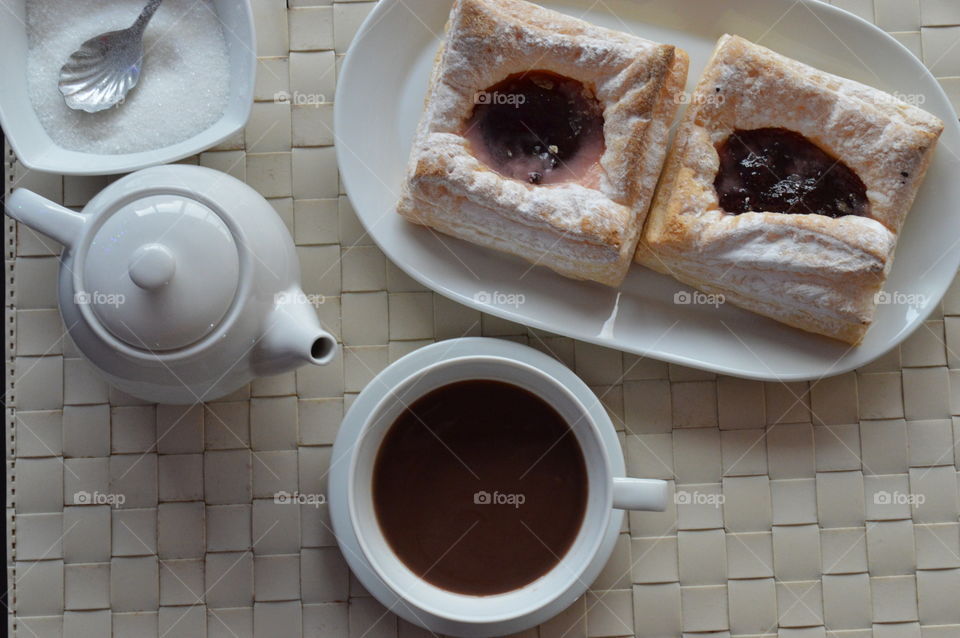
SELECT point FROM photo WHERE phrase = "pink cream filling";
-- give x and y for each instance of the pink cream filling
(539, 128)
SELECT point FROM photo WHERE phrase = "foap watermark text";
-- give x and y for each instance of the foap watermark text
(697, 298)
(84, 497)
(298, 498)
(299, 99)
(292, 298)
(498, 298)
(700, 99)
(498, 498)
(96, 298)
(684, 497)
(897, 298)
(883, 497)
(496, 98)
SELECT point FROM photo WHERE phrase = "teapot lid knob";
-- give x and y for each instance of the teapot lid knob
(152, 266)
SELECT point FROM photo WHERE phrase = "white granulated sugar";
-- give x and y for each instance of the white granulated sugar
(183, 88)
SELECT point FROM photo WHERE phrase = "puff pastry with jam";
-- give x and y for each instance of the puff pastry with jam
(543, 136)
(786, 188)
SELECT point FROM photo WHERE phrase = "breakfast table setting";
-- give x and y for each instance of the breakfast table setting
(474, 318)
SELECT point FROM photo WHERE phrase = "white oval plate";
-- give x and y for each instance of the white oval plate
(380, 99)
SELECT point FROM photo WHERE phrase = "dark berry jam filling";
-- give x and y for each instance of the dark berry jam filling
(537, 127)
(779, 171)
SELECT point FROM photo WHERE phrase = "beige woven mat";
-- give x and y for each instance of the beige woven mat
(794, 512)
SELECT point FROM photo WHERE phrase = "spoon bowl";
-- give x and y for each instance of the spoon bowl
(99, 74)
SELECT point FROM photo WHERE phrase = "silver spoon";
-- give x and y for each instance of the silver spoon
(106, 67)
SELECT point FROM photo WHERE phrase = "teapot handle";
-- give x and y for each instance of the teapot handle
(40, 214)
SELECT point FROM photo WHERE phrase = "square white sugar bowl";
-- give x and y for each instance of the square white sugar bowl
(37, 151)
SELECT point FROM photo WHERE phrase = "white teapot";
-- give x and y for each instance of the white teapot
(180, 284)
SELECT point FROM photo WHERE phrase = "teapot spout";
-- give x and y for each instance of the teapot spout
(59, 223)
(294, 336)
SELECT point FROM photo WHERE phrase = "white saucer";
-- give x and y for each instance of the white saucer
(347, 438)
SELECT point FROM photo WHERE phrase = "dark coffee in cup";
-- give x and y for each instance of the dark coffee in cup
(480, 487)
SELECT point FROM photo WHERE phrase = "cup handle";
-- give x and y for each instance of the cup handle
(639, 494)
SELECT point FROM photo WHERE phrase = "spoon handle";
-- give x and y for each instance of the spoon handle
(144, 18)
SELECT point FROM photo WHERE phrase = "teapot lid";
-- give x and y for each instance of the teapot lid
(161, 272)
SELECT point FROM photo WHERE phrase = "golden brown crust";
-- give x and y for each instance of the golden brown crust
(817, 273)
(593, 231)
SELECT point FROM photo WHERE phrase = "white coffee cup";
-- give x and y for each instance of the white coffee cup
(608, 491)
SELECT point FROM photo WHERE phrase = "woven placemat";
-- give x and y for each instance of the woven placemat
(801, 509)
